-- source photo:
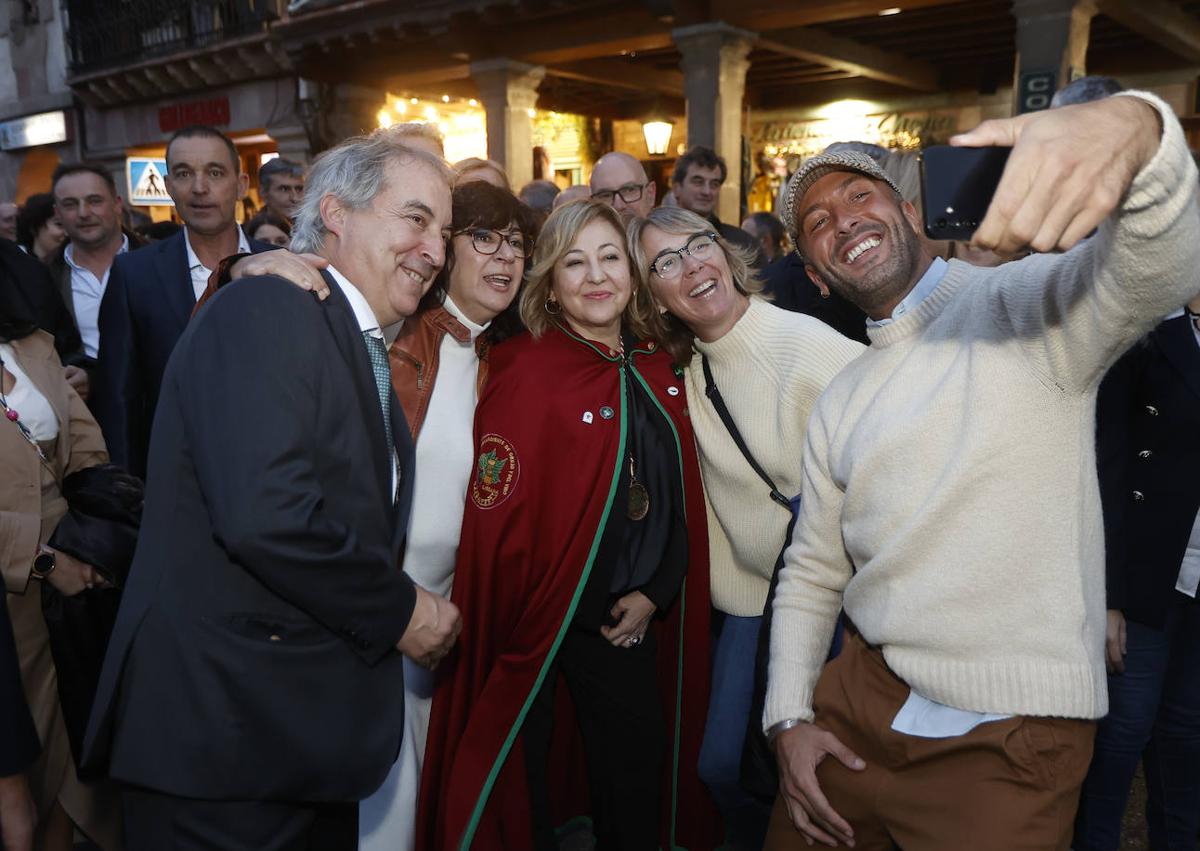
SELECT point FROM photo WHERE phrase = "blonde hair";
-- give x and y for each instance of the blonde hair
(677, 338)
(559, 233)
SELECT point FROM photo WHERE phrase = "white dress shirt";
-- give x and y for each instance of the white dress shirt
(86, 292)
(201, 273)
(29, 403)
(368, 324)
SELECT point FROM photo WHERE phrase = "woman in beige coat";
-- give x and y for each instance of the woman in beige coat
(46, 433)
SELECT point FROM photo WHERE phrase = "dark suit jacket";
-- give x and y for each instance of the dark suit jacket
(792, 289)
(253, 656)
(146, 306)
(19, 744)
(1148, 458)
(734, 235)
(37, 297)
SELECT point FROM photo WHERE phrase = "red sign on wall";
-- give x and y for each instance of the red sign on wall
(179, 115)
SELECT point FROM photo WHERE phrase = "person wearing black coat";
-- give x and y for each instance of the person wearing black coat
(34, 293)
(789, 287)
(1148, 459)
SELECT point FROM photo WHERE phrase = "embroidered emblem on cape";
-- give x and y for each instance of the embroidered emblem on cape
(496, 472)
(587, 417)
(606, 412)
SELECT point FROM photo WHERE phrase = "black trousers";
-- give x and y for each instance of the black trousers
(617, 706)
(159, 822)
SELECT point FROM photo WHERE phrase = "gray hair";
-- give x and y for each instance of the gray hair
(278, 166)
(1085, 90)
(539, 194)
(354, 173)
(421, 130)
(677, 220)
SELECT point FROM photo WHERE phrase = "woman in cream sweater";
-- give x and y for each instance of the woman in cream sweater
(770, 366)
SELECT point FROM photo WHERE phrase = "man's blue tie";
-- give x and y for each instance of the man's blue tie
(383, 383)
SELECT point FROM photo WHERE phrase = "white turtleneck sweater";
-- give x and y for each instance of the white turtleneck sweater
(950, 501)
(770, 368)
(444, 453)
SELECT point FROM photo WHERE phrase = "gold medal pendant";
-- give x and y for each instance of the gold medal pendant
(639, 497)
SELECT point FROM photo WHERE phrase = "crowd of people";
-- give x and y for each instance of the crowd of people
(421, 513)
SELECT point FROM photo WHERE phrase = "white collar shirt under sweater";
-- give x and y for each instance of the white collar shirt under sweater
(949, 496)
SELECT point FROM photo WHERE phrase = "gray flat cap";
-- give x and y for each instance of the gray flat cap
(814, 168)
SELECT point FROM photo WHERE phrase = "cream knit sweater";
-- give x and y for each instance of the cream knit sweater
(770, 368)
(949, 496)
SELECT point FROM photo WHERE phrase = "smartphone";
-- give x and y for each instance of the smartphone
(957, 185)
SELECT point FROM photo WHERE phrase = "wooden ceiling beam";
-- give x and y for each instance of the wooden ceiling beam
(860, 59)
(615, 72)
(761, 15)
(1161, 22)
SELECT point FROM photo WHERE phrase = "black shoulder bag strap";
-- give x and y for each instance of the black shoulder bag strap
(758, 773)
(711, 391)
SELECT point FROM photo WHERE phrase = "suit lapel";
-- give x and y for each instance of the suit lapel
(406, 457)
(171, 264)
(1176, 341)
(348, 336)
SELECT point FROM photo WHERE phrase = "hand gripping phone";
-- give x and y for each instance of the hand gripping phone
(957, 185)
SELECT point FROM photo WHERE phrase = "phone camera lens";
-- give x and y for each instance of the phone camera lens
(941, 223)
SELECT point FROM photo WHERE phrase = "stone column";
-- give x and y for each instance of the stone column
(292, 141)
(715, 61)
(508, 91)
(1052, 41)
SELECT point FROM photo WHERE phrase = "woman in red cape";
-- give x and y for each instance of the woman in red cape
(544, 577)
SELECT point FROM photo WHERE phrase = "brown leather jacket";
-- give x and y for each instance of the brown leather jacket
(414, 360)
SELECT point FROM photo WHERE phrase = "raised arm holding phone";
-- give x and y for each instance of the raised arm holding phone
(950, 501)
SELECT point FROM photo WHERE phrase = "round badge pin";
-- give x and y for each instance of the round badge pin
(606, 412)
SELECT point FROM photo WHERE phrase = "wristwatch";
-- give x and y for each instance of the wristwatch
(43, 564)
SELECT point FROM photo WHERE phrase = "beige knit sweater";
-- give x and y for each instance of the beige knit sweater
(770, 368)
(949, 486)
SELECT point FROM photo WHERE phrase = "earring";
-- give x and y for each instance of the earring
(557, 308)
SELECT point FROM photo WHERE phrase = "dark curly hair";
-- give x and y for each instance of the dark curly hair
(31, 218)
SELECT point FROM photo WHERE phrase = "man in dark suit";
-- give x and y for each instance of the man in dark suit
(1148, 461)
(252, 689)
(151, 292)
(90, 209)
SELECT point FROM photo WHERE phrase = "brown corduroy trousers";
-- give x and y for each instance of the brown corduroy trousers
(1010, 785)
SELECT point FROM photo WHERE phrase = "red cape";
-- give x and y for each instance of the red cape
(550, 430)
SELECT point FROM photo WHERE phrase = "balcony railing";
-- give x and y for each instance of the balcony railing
(104, 34)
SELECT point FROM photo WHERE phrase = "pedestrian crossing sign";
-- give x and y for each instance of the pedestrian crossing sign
(147, 181)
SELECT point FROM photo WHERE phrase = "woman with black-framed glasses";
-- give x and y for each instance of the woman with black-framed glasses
(768, 366)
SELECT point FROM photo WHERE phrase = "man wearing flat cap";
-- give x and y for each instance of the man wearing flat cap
(949, 499)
